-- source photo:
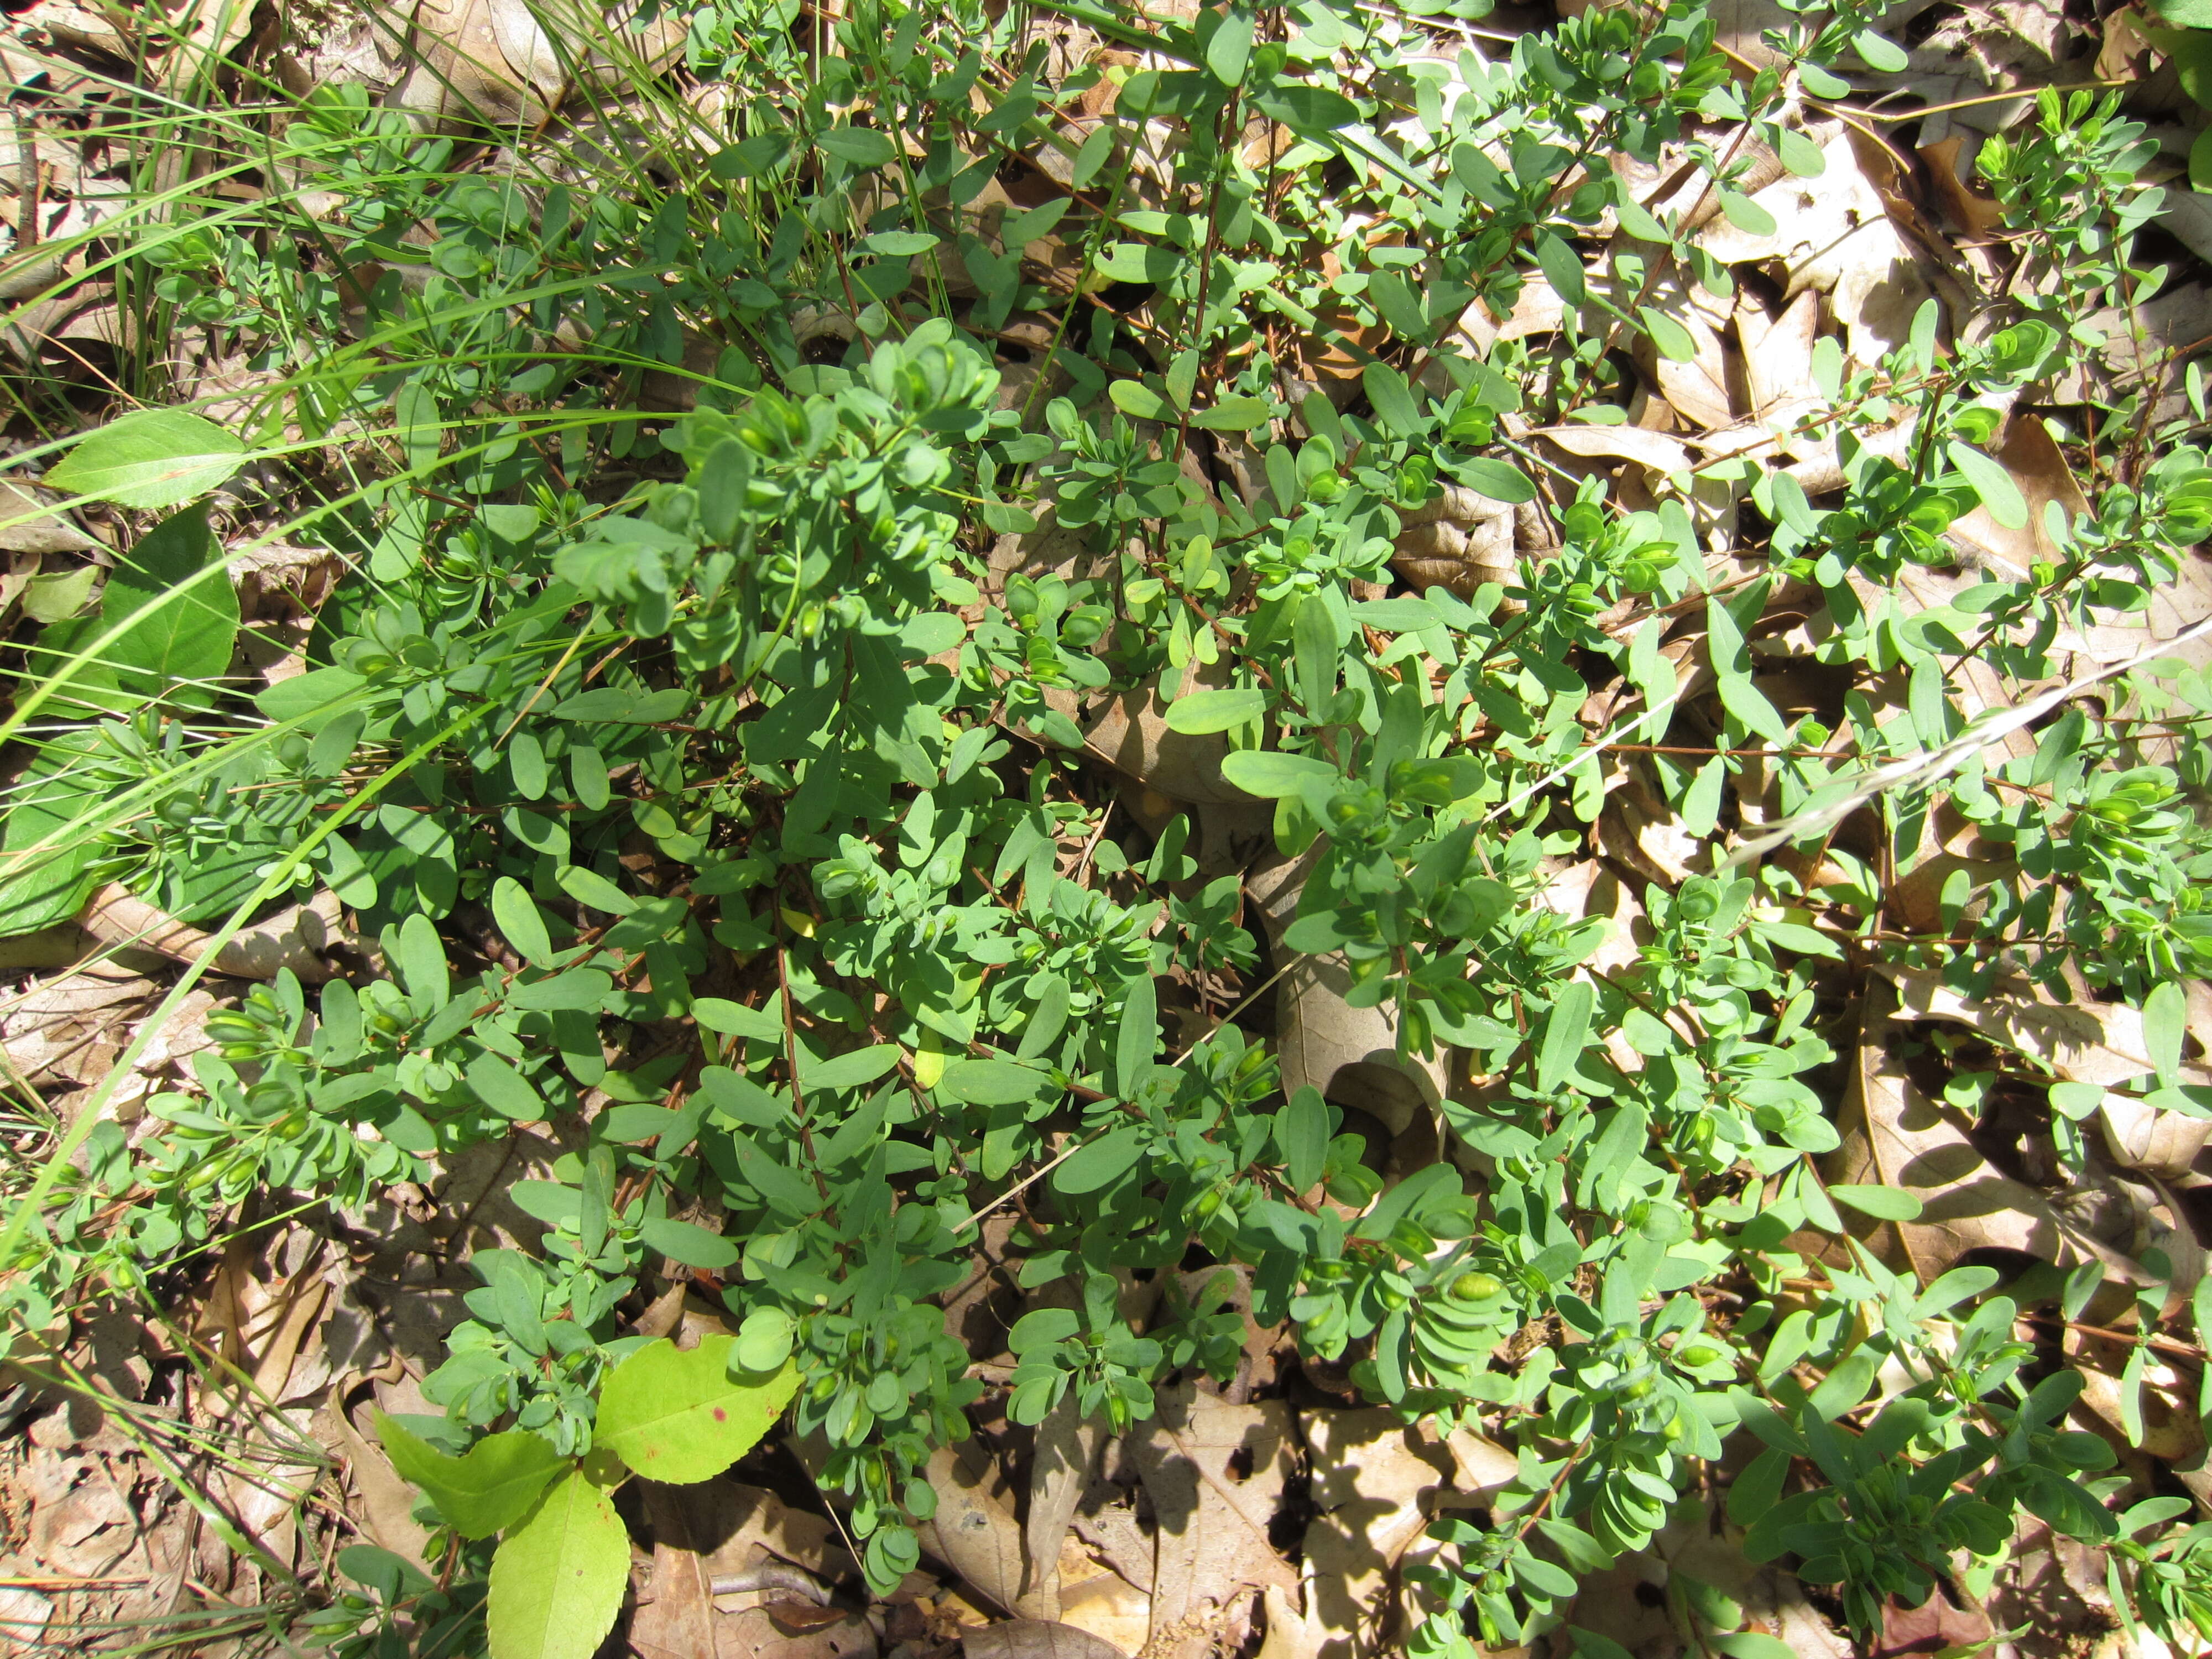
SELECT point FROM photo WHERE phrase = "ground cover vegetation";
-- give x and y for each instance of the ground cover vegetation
(963, 757)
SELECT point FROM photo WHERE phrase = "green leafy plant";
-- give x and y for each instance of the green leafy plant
(710, 773)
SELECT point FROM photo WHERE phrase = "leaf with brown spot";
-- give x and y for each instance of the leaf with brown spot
(682, 1415)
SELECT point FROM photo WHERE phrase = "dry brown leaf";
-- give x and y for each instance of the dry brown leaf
(1131, 736)
(1834, 236)
(1654, 450)
(457, 68)
(305, 937)
(1777, 352)
(24, 1615)
(973, 1532)
(755, 1634)
(1949, 162)
(29, 525)
(1035, 1639)
(1068, 1447)
(1895, 1135)
(384, 1503)
(2032, 457)
(1375, 1482)
(1107, 1605)
(2084, 1041)
(1215, 1473)
(1350, 1054)
(675, 1617)
(1458, 540)
(2100, 1042)
(70, 1029)
(1291, 1634)
(1697, 388)
(1628, 1603)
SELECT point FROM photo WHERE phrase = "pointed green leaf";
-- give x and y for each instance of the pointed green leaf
(1745, 214)
(486, 1490)
(1271, 776)
(1493, 480)
(1883, 1203)
(1566, 1028)
(1879, 52)
(1102, 1162)
(557, 1580)
(1229, 51)
(1991, 483)
(2165, 1022)
(1396, 410)
(189, 634)
(1670, 338)
(1138, 1038)
(506, 1091)
(155, 459)
(1135, 397)
(1301, 1136)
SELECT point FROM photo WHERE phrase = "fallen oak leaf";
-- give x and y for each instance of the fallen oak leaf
(1895, 1135)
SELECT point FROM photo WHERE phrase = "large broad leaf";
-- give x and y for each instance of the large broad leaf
(557, 1580)
(189, 634)
(44, 862)
(155, 459)
(681, 1416)
(487, 1490)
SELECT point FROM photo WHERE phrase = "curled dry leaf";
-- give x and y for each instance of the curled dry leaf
(487, 60)
(2032, 459)
(1291, 1634)
(29, 525)
(1375, 1483)
(1458, 540)
(1132, 737)
(1778, 351)
(384, 1504)
(676, 1619)
(1628, 1601)
(1832, 235)
(70, 1029)
(1067, 1446)
(2095, 1042)
(2100, 1042)
(1350, 1054)
(301, 937)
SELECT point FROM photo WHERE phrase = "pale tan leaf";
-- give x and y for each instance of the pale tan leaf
(1895, 1135)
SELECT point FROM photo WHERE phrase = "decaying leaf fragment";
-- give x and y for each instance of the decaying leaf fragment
(1894, 1134)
